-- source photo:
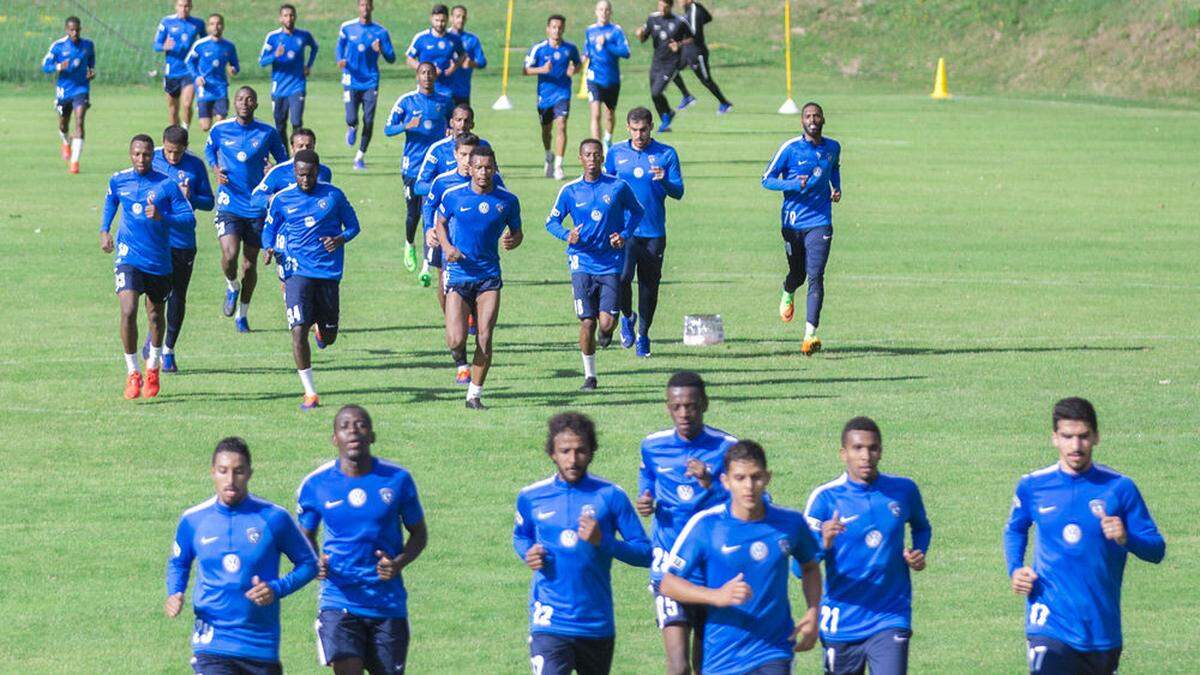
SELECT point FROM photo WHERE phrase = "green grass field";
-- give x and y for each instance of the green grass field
(991, 256)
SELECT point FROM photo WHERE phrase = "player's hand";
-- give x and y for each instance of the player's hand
(573, 235)
(222, 177)
(307, 70)
(805, 634)
(331, 244)
(657, 173)
(151, 210)
(915, 558)
(803, 182)
(1023, 580)
(431, 239)
(835, 195)
(268, 255)
(260, 594)
(599, 42)
(186, 188)
(387, 568)
(322, 566)
(644, 504)
(199, 82)
(511, 240)
(91, 73)
(673, 46)
(416, 119)
(451, 253)
(280, 51)
(173, 605)
(1113, 528)
(341, 64)
(62, 65)
(169, 44)
(698, 470)
(830, 529)
(106, 242)
(734, 592)
(535, 557)
(589, 530)
(377, 47)
(616, 240)
(640, 31)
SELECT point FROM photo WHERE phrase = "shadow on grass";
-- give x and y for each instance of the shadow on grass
(883, 350)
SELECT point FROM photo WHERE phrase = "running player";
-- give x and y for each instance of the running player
(366, 504)
(473, 56)
(554, 62)
(421, 115)
(679, 476)
(471, 221)
(237, 151)
(605, 46)
(174, 38)
(151, 206)
(734, 558)
(859, 520)
(1088, 518)
(439, 47)
(695, 56)
(670, 34)
(440, 157)
(283, 175)
(652, 170)
(212, 60)
(316, 221)
(236, 538)
(566, 530)
(283, 50)
(73, 58)
(360, 43)
(603, 209)
(806, 170)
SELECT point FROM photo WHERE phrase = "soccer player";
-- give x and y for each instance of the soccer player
(439, 47)
(605, 46)
(151, 206)
(360, 43)
(236, 538)
(733, 558)
(472, 220)
(679, 476)
(806, 170)
(283, 175)
(652, 170)
(602, 209)
(473, 56)
(421, 115)
(174, 38)
(283, 50)
(859, 519)
(1088, 518)
(554, 62)
(237, 151)
(440, 157)
(566, 530)
(366, 504)
(212, 60)
(670, 34)
(73, 58)
(316, 221)
(695, 56)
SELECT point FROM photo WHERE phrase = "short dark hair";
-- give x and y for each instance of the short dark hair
(458, 7)
(639, 114)
(466, 138)
(746, 451)
(354, 407)
(287, 5)
(235, 444)
(484, 151)
(304, 131)
(575, 422)
(73, 20)
(307, 157)
(439, 9)
(175, 134)
(813, 104)
(141, 138)
(464, 106)
(560, 17)
(427, 63)
(219, 16)
(590, 141)
(246, 87)
(1075, 409)
(861, 423)
(687, 379)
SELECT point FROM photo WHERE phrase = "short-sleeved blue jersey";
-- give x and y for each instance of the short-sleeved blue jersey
(184, 33)
(432, 113)
(605, 46)
(635, 167)
(142, 242)
(79, 57)
(812, 205)
(208, 58)
(555, 85)
(441, 51)
(475, 223)
(438, 187)
(190, 171)
(287, 70)
(302, 219)
(242, 151)
(460, 79)
(599, 209)
(362, 61)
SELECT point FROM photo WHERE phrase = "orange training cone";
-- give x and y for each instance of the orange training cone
(939, 81)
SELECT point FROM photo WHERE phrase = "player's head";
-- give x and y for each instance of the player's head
(74, 27)
(746, 475)
(353, 433)
(639, 122)
(464, 144)
(306, 165)
(215, 24)
(231, 470)
(245, 102)
(458, 17)
(174, 143)
(812, 118)
(862, 448)
(287, 16)
(591, 157)
(426, 76)
(555, 25)
(438, 17)
(183, 8)
(303, 138)
(462, 118)
(365, 9)
(571, 444)
(1076, 433)
(603, 12)
(141, 152)
(483, 167)
(664, 6)
(687, 402)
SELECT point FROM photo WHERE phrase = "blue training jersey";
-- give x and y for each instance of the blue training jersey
(362, 514)
(231, 545)
(867, 584)
(79, 57)
(362, 61)
(287, 69)
(555, 85)
(599, 209)
(1077, 596)
(280, 176)
(143, 242)
(460, 79)
(208, 58)
(713, 548)
(634, 167)
(184, 33)
(303, 218)
(439, 159)
(242, 151)
(441, 51)
(812, 205)
(438, 187)
(189, 172)
(475, 223)
(572, 594)
(605, 46)
(432, 114)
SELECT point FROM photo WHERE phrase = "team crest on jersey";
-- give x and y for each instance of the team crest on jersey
(182, 176)
(685, 492)
(428, 124)
(291, 54)
(123, 249)
(758, 550)
(568, 538)
(483, 207)
(357, 497)
(321, 203)
(136, 208)
(596, 215)
(231, 562)
(1097, 507)
(557, 56)
(1072, 534)
(638, 172)
(816, 172)
(216, 63)
(361, 47)
(500, 208)
(662, 34)
(894, 507)
(254, 142)
(386, 495)
(241, 156)
(874, 538)
(441, 44)
(588, 510)
(309, 221)
(75, 63)
(253, 534)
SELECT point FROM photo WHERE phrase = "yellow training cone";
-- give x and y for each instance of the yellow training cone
(939, 81)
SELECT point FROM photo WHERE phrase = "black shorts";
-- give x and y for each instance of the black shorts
(208, 109)
(551, 654)
(311, 301)
(173, 86)
(1048, 656)
(668, 612)
(606, 95)
(248, 229)
(64, 106)
(129, 278)
(560, 109)
(219, 664)
(595, 293)
(471, 290)
(381, 644)
(883, 652)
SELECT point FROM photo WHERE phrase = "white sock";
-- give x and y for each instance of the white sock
(589, 365)
(167, 350)
(242, 310)
(131, 364)
(184, 125)
(474, 391)
(63, 136)
(154, 359)
(233, 285)
(810, 331)
(558, 161)
(306, 379)
(549, 157)
(359, 156)
(607, 138)
(76, 149)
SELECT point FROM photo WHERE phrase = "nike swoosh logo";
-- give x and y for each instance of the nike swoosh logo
(208, 540)
(900, 638)
(849, 519)
(622, 161)
(664, 469)
(545, 514)
(729, 549)
(1046, 509)
(580, 205)
(334, 503)
(802, 162)
(293, 209)
(464, 208)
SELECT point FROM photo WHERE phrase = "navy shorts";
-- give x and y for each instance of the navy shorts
(64, 106)
(1048, 656)
(311, 301)
(129, 278)
(780, 667)
(885, 653)
(470, 290)
(381, 644)
(174, 85)
(560, 109)
(668, 612)
(207, 109)
(219, 664)
(551, 654)
(595, 293)
(289, 106)
(433, 256)
(248, 229)
(353, 98)
(606, 95)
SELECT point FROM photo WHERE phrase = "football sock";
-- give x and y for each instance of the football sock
(358, 156)
(474, 391)
(63, 136)
(167, 350)
(810, 331)
(549, 157)
(242, 310)
(306, 379)
(76, 149)
(558, 162)
(131, 363)
(232, 285)
(154, 359)
(589, 365)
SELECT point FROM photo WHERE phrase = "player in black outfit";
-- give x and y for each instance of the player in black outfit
(695, 56)
(671, 35)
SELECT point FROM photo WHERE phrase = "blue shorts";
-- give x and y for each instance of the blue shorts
(551, 654)
(64, 106)
(780, 667)
(671, 613)
(129, 278)
(309, 301)
(595, 293)
(174, 85)
(885, 652)
(208, 109)
(1048, 656)
(219, 664)
(381, 644)
(470, 290)
(248, 229)
(607, 95)
(560, 109)
(289, 106)
(353, 98)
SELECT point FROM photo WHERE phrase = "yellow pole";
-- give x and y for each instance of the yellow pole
(789, 106)
(503, 103)
(583, 92)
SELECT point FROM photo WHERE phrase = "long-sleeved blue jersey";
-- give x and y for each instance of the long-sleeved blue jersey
(231, 545)
(362, 61)
(439, 159)
(599, 209)
(439, 186)
(441, 51)
(302, 218)
(432, 113)
(1077, 596)
(362, 514)
(79, 57)
(287, 70)
(867, 584)
(605, 46)
(242, 151)
(555, 85)
(184, 33)
(572, 593)
(142, 242)
(812, 205)
(190, 171)
(460, 79)
(208, 58)
(475, 223)
(634, 167)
